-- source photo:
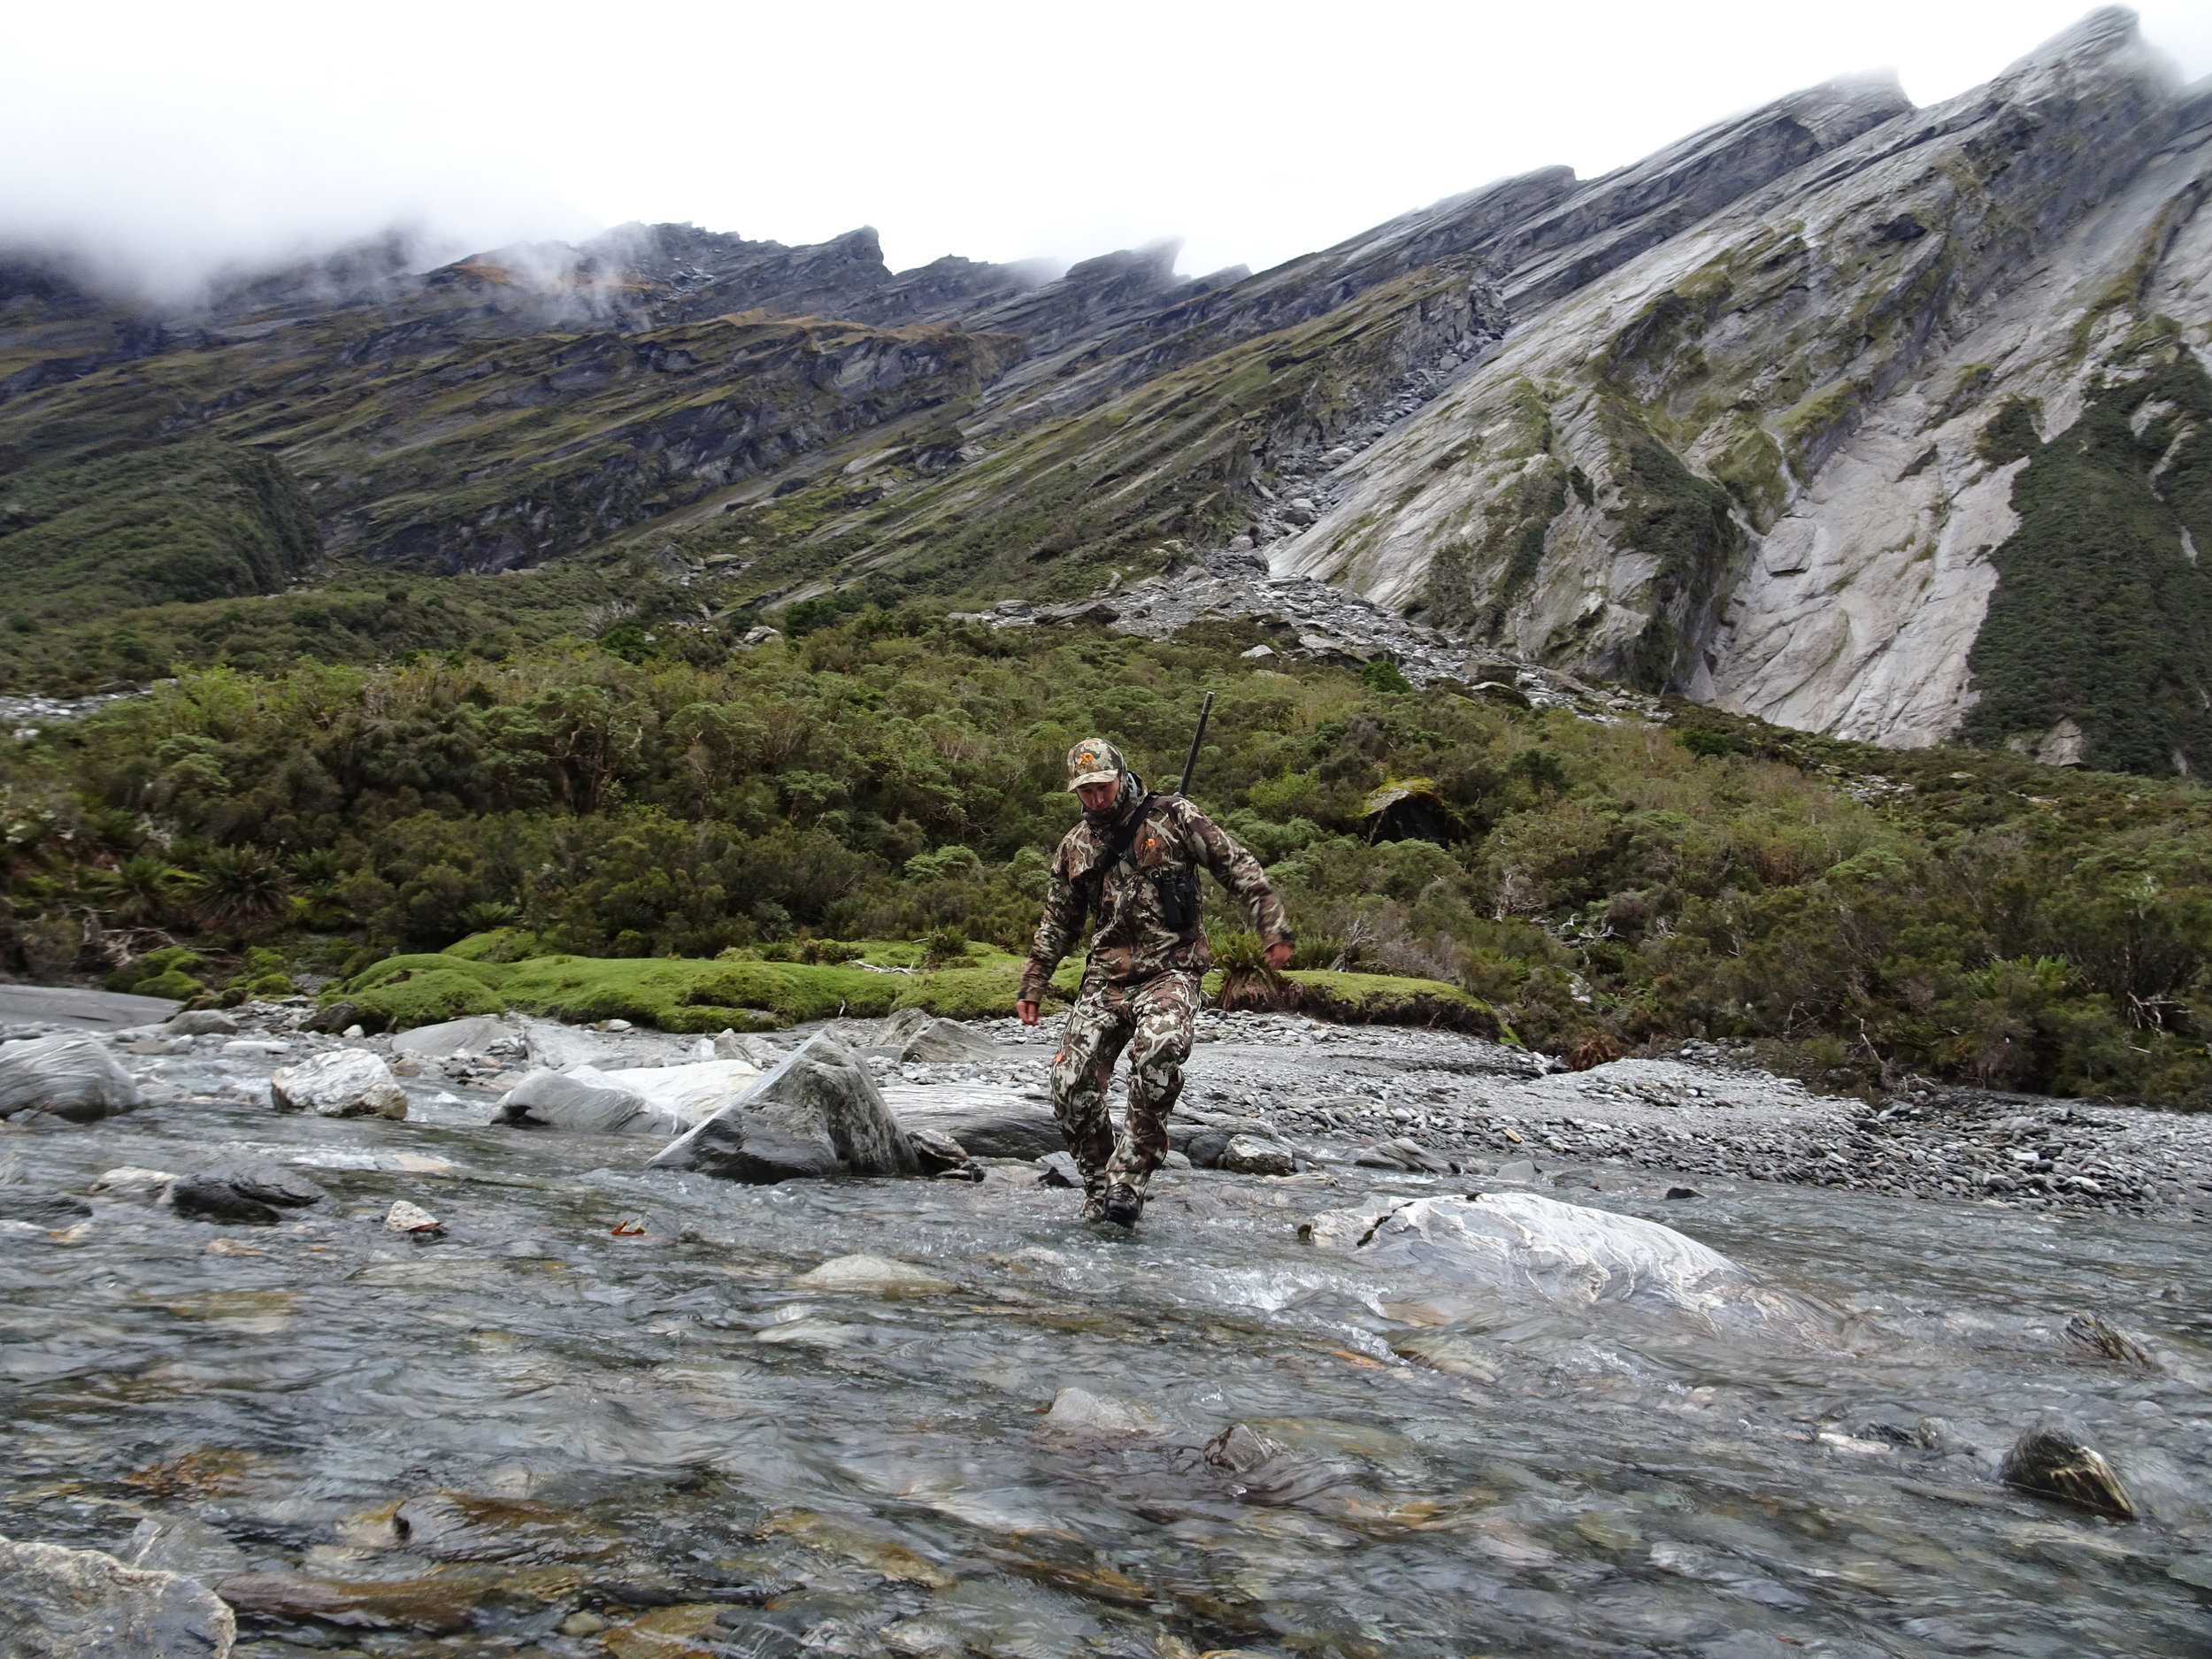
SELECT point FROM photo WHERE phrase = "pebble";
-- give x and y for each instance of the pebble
(406, 1218)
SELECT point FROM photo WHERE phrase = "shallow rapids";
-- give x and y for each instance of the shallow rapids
(600, 1416)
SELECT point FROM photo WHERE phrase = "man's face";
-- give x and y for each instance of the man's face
(1096, 797)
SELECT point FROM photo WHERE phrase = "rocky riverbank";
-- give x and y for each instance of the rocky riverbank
(1368, 1096)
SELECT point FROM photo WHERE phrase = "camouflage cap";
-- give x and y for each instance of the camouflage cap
(1093, 760)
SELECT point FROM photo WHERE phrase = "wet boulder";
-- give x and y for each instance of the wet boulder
(88, 1605)
(2052, 1462)
(1526, 1247)
(994, 1128)
(71, 1078)
(582, 1101)
(817, 1114)
(942, 1155)
(248, 1193)
(342, 1083)
(473, 1035)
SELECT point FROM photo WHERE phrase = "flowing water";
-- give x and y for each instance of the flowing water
(601, 1394)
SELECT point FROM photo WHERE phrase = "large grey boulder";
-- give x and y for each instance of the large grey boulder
(946, 1041)
(71, 1078)
(202, 1022)
(817, 1114)
(342, 1083)
(1525, 1247)
(560, 1047)
(583, 1100)
(57, 1603)
(472, 1035)
(685, 1094)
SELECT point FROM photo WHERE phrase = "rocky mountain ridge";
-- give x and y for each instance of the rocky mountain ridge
(1885, 422)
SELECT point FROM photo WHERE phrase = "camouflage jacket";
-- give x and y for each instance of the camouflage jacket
(1132, 942)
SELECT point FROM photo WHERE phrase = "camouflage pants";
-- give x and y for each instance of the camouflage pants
(1152, 1019)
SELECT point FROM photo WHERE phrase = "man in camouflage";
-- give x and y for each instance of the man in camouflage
(1133, 863)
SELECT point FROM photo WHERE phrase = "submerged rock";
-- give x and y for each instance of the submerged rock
(1008, 1129)
(344, 1083)
(1522, 1244)
(248, 1193)
(2052, 1462)
(86, 1604)
(1079, 1411)
(41, 1210)
(879, 1274)
(71, 1078)
(817, 1114)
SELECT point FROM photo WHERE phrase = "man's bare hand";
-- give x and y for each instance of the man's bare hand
(1027, 1011)
(1278, 955)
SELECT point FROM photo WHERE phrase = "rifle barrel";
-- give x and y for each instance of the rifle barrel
(1190, 761)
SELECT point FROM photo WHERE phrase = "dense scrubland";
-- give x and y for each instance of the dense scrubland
(894, 777)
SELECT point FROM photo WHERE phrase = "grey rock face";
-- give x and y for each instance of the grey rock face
(69, 1078)
(57, 1603)
(342, 1083)
(817, 1114)
(947, 1041)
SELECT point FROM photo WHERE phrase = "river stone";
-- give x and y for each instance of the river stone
(342, 1083)
(1079, 1411)
(265, 1182)
(204, 1198)
(583, 1100)
(945, 1042)
(405, 1217)
(1521, 1243)
(84, 1604)
(1059, 1169)
(817, 1114)
(878, 1274)
(130, 1184)
(2052, 1462)
(1012, 1128)
(731, 1045)
(472, 1035)
(939, 1154)
(202, 1022)
(1248, 1154)
(74, 1079)
(41, 1210)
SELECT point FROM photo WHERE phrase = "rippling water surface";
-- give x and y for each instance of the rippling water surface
(601, 1401)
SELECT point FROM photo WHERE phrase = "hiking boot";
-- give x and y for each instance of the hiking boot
(1094, 1206)
(1124, 1204)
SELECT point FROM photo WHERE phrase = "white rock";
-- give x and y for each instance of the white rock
(406, 1218)
(70, 1076)
(1079, 1411)
(581, 1099)
(1248, 1154)
(876, 1273)
(342, 1083)
(1521, 1244)
(128, 1183)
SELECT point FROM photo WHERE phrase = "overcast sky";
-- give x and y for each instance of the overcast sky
(173, 137)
